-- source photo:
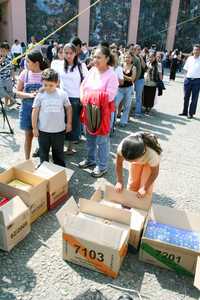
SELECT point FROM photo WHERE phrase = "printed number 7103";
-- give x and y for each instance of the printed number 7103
(91, 253)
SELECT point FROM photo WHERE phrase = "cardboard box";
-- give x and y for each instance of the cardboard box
(95, 236)
(14, 223)
(35, 198)
(166, 255)
(57, 180)
(139, 209)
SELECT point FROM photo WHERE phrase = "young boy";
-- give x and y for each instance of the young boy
(48, 118)
(6, 74)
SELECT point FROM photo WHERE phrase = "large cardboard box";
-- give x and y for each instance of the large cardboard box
(139, 209)
(35, 197)
(57, 180)
(94, 236)
(166, 255)
(14, 222)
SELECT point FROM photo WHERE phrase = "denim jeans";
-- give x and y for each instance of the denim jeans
(139, 86)
(124, 96)
(98, 149)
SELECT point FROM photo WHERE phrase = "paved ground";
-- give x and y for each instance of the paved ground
(35, 270)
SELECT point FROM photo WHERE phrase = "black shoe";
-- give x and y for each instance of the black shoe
(86, 164)
(36, 153)
(190, 117)
(183, 115)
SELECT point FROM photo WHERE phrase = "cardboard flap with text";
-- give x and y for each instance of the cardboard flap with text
(12, 210)
(103, 211)
(197, 274)
(70, 207)
(127, 198)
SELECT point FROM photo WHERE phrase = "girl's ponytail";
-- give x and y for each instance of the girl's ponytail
(151, 141)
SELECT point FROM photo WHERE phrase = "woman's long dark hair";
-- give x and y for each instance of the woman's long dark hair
(36, 56)
(75, 62)
(151, 141)
(134, 146)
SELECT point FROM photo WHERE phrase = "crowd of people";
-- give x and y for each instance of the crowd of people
(69, 90)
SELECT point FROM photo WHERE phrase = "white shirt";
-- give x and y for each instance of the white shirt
(119, 72)
(56, 65)
(192, 66)
(16, 49)
(70, 81)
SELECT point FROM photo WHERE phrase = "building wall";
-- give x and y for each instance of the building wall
(12, 20)
(109, 21)
(153, 22)
(43, 17)
(5, 21)
(105, 21)
(188, 33)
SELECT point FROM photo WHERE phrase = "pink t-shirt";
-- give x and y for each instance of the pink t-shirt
(31, 77)
(96, 81)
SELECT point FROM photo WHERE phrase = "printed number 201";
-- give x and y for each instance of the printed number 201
(91, 253)
(171, 257)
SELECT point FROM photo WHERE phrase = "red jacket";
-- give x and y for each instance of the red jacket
(101, 100)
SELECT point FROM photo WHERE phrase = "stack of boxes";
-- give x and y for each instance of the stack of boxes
(26, 193)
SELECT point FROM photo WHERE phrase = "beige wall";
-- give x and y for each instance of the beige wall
(172, 24)
(84, 21)
(133, 21)
(5, 22)
(14, 21)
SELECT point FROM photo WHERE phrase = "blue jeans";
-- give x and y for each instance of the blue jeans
(124, 96)
(139, 86)
(191, 87)
(98, 149)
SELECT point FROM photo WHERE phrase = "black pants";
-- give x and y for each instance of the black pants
(54, 141)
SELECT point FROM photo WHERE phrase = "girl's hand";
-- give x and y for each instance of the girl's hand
(141, 193)
(35, 132)
(33, 95)
(119, 187)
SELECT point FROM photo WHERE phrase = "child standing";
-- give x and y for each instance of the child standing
(48, 118)
(143, 152)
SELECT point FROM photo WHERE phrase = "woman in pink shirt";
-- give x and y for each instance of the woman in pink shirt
(98, 90)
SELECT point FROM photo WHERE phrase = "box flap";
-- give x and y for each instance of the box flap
(27, 165)
(128, 198)
(175, 217)
(88, 228)
(12, 210)
(104, 211)
(97, 196)
(197, 274)
(70, 207)
(138, 219)
(48, 170)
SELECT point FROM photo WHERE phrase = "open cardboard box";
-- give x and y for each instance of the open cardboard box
(165, 255)
(94, 236)
(35, 198)
(14, 222)
(57, 188)
(139, 209)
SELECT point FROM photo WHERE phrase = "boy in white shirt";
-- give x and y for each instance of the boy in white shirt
(48, 118)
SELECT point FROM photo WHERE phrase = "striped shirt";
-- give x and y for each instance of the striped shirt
(6, 73)
(30, 77)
